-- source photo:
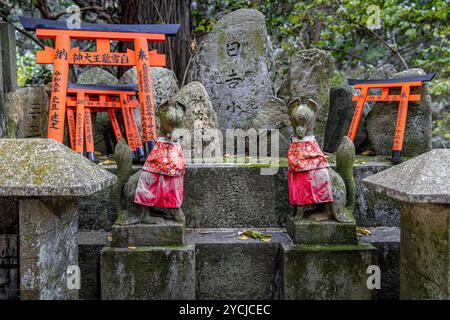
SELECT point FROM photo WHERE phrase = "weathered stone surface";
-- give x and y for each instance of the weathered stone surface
(232, 64)
(372, 208)
(339, 118)
(233, 197)
(425, 251)
(165, 233)
(44, 167)
(164, 83)
(148, 273)
(229, 268)
(380, 122)
(97, 76)
(200, 114)
(9, 267)
(327, 272)
(28, 112)
(425, 178)
(48, 246)
(310, 75)
(90, 245)
(326, 232)
(89, 263)
(9, 220)
(273, 115)
(387, 242)
(97, 211)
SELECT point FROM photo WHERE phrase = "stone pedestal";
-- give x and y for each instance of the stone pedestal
(327, 272)
(166, 233)
(148, 262)
(327, 232)
(47, 178)
(422, 185)
(325, 262)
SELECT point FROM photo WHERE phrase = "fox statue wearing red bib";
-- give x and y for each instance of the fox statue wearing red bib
(314, 188)
(156, 191)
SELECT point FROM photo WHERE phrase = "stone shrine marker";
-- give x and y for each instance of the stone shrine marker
(422, 184)
(47, 178)
(232, 64)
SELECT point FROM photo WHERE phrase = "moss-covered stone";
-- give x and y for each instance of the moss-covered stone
(327, 272)
(148, 273)
(165, 233)
(326, 232)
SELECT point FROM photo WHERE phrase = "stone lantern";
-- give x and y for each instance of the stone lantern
(422, 184)
(47, 178)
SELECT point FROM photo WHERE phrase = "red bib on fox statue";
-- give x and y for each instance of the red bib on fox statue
(308, 178)
(161, 181)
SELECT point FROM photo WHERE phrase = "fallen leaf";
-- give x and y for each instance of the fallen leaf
(363, 231)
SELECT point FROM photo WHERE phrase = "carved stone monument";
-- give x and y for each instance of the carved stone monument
(47, 178)
(232, 64)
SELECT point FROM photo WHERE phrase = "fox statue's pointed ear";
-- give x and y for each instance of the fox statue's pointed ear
(293, 103)
(179, 104)
(162, 106)
(312, 105)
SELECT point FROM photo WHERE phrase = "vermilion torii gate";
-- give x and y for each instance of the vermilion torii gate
(63, 55)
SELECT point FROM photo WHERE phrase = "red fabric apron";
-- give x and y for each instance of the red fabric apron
(308, 178)
(161, 180)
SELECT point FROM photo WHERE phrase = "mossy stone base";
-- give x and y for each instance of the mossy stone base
(167, 233)
(327, 272)
(326, 232)
(148, 273)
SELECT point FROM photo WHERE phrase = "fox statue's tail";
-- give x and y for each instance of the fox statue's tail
(345, 159)
(124, 162)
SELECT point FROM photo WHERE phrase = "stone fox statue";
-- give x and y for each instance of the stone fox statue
(156, 191)
(314, 188)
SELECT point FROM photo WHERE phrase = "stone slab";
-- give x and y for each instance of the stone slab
(327, 272)
(387, 242)
(44, 167)
(326, 232)
(9, 267)
(229, 268)
(47, 247)
(167, 233)
(425, 251)
(148, 273)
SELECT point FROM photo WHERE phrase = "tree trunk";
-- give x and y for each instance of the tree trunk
(177, 48)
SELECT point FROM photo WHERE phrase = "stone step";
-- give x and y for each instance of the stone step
(234, 196)
(229, 268)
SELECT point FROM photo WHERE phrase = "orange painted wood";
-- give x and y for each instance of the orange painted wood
(145, 90)
(58, 95)
(47, 56)
(94, 35)
(129, 130)
(89, 136)
(357, 114)
(115, 125)
(401, 119)
(79, 131)
(71, 126)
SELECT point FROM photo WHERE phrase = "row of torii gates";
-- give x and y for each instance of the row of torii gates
(78, 102)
